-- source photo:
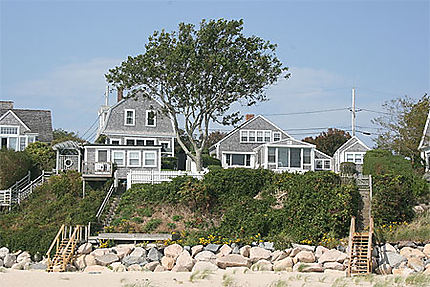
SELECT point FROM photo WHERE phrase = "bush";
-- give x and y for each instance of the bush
(383, 161)
(348, 168)
(210, 161)
(13, 167)
(151, 225)
(169, 163)
(42, 155)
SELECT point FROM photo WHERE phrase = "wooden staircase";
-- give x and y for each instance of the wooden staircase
(65, 244)
(360, 250)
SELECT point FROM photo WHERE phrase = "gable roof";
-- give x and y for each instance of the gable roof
(425, 139)
(324, 155)
(244, 124)
(38, 121)
(350, 142)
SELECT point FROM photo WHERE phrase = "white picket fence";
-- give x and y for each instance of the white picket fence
(136, 176)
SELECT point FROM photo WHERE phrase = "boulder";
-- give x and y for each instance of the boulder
(85, 248)
(416, 264)
(196, 249)
(258, 253)
(185, 260)
(160, 268)
(278, 255)
(9, 260)
(96, 269)
(394, 259)
(384, 269)
(130, 260)
(244, 251)
(305, 257)
(173, 251)
(224, 250)
(134, 267)
(38, 266)
(151, 265)
(168, 262)
(1, 262)
(402, 271)
(294, 252)
(23, 256)
(288, 251)
(107, 259)
(233, 260)
(320, 250)
(269, 246)
(304, 247)
(285, 264)
(236, 250)
(212, 247)
(387, 247)
(123, 250)
(177, 268)
(334, 266)
(154, 255)
(117, 267)
(138, 252)
(204, 265)
(332, 255)
(3, 252)
(81, 261)
(100, 251)
(18, 265)
(427, 271)
(406, 244)
(308, 267)
(426, 250)
(262, 265)
(206, 256)
(409, 252)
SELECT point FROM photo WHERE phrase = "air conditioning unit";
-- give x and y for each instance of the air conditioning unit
(99, 166)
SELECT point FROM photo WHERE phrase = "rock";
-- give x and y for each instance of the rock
(96, 268)
(134, 267)
(70, 268)
(384, 269)
(224, 250)
(304, 247)
(269, 246)
(416, 264)
(196, 249)
(100, 251)
(138, 252)
(341, 248)
(1, 262)
(185, 260)
(427, 271)
(177, 268)
(173, 251)
(285, 264)
(426, 250)
(79, 262)
(244, 251)
(38, 266)
(332, 255)
(402, 271)
(151, 265)
(409, 252)
(406, 244)
(294, 252)
(154, 255)
(206, 256)
(320, 250)
(130, 260)
(23, 256)
(204, 265)
(18, 266)
(188, 248)
(305, 257)
(278, 255)
(394, 259)
(160, 268)
(258, 253)
(334, 266)
(308, 267)
(3, 252)
(288, 251)
(212, 247)
(236, 250)
(117, 267)
(85, 248)
(168, 262)
(233, 260)
(9, 260)
(388, 248)
(123, 250)
(262, 265)
(107, 259)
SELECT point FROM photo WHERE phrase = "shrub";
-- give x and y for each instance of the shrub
(13, 167)
(210, 161)
(171, 225)
(146, 211)
(151, 225)
(169, 163)
(348, 168)
(42, 155)
(383, 161)
(177, 218)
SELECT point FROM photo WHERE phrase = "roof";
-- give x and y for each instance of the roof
(351, 142)
(425, 139)
(38, 121)
(67, 145)
(285, 142)
(319, 154)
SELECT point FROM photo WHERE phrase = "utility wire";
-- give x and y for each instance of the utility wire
(307, 112)
(82, 136)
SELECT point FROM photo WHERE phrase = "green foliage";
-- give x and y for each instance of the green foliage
(13, 167)
(42, 155)
(58, 201)
(177, 218)
(169, 163)
(101, 139)
(328, 142)
(61, 135)
(151, 225)
(210, 161)
(348, 168)
(171, 225)
(146, 211)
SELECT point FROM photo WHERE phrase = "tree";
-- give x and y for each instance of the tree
(42, 155)
(328, 142)
(13, 166)
(401, 128)
(61, 135)
(213, 138)
(197, 74)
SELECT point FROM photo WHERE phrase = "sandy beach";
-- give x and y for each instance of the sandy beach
(232, 278)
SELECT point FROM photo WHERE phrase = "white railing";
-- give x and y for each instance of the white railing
(6, 197)
(136, 176)
(28, 189)
(105, 201)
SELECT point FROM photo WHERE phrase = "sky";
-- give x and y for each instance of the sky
(54, 54)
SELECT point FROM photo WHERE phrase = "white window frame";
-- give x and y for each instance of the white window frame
(354, 157)
(142, 139)
(111, 140)
(128, 158)
(102, 149)
(155, 118)
(123, 157)
(251, 159)
(276, 133)
(155, 159)
(168, 145)
(125, 117)
(242, 134)
(9, 126)
(245, 133)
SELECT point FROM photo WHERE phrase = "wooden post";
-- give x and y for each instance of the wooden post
(83, 188)
(351, 235)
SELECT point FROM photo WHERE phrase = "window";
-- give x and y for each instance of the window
(13, 143)
(238, 159)
(251, 136)
(149, 158)
(318, 164)
(139, 142)
(165, 146)
(134, 158)
(22, 143)
(150, 119)
(114, 142)
(130, 142)
(295, 157)
(129, 117)
(259, 136)
(327, 164)
(150, 142)
(306, 156)
(276, 136)
(271, 153)
(102, 156)
(267, 136)
(31, 139)
(9, 130)
(119, 158)
(356, 158)
(243, 136)
(283, 157)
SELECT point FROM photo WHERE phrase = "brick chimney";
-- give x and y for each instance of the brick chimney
(120, 95)
(248, 117)
(6, 105)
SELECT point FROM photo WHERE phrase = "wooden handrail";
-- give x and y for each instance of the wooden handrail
(105, 201)
(351, 235)
(72, 241)
(56, 239)
(369, 245)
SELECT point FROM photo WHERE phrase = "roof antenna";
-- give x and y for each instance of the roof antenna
(107, 96)
(353, 112)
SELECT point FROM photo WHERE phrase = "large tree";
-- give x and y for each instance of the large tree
(328, 142)
(198, 74)
(401, 127)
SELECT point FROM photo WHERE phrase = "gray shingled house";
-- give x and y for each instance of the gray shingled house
(424, 146)
(259, 143)
(20, 127)
(352, 150)
(136, 136)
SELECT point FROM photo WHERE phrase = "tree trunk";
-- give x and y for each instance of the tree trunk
(198, 160)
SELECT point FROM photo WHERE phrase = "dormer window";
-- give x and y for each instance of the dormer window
(150, 119)
(129, 117)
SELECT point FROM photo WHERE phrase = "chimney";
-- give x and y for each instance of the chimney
(7, 105)
(248, 117)
(119, 94)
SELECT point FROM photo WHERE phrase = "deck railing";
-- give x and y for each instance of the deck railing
(103, 169)
(136, 176)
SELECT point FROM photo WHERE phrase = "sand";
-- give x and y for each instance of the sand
(234, 277)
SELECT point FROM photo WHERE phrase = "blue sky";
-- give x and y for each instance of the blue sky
(54, 54)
